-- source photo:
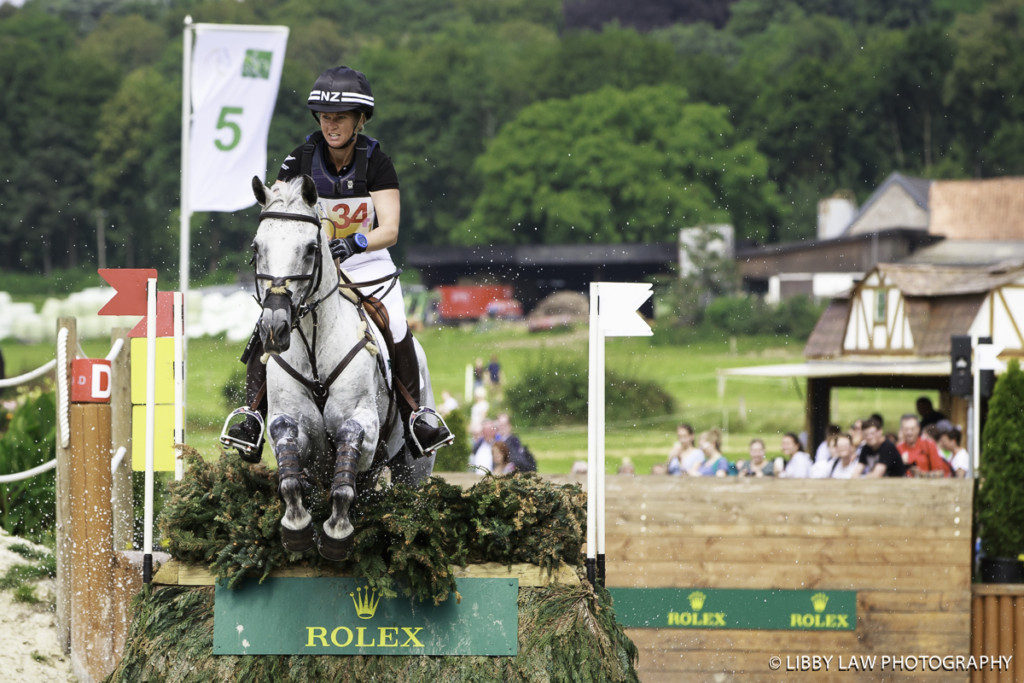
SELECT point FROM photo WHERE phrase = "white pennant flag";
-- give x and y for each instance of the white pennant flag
(236, 71)
(618, 304)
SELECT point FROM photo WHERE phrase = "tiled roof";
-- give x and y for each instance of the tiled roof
(826, 340)
(933, 320)
(926, 280)
(991, 209)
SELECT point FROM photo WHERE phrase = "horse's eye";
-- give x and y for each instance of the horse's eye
(310, 250)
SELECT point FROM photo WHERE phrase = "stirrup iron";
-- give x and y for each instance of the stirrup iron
(418, 414)
(246, 447)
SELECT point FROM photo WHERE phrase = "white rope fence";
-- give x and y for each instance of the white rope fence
(115, 349)
(63, 405)
(18, 476)
(28, 376)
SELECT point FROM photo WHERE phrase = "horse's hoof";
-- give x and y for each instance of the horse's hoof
(297, 541)
(334, 549)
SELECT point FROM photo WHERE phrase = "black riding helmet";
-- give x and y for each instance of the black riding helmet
(341, 89)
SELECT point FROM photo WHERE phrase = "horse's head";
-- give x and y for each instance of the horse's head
(289, 256)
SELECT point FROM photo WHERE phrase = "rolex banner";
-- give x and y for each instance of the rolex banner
(736, 608)
(343, 616)
(235, 75)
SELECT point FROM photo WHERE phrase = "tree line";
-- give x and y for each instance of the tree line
(515, 121)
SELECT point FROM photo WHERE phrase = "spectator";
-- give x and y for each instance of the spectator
(716, 465)
(932, 432)
(878, 455)
(494, 372)
(684, 456)
(448, 403)
(926, 410)
(482, 456)
(824, 449)
(959, 458)
(519, 455)
(578, 467)
(919, 453)
(798, 463)
(500, 462)
(846, 464)
(478, 412)
(857, 434)
(759, 465)
(824, 456)
(878, 418)
(478, 373)
(627, 466)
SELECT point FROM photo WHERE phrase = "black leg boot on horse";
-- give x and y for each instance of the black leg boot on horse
(246, 436)
(422, 437)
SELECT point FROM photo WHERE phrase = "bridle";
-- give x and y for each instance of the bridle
(279, 285)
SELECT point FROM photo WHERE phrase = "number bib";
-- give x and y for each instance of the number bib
(343, 216)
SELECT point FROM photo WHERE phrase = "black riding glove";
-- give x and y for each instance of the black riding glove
(347, 246)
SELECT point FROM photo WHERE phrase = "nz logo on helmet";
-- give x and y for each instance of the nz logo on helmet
(325, 96)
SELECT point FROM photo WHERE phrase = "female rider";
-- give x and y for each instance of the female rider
(360, 206)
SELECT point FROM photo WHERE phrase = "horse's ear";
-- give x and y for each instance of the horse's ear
(308, 190)
(260, 190)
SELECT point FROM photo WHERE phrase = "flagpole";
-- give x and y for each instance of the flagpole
(593, 340)
(186, 121)
(147, 518)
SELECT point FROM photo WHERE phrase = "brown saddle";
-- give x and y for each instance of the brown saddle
(379, 315)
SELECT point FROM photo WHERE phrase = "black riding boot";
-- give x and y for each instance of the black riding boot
(255, 379)
(407, 371)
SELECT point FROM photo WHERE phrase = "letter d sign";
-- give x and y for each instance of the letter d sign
(90, 380)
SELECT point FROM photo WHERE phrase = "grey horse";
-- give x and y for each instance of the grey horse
(331, 415)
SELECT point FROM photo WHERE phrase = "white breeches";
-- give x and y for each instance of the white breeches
(370, 266)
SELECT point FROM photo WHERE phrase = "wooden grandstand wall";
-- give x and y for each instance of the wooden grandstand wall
(903, 545)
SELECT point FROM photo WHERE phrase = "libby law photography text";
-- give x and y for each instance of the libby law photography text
(891, 663)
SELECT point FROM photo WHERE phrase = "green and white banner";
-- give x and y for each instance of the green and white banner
(723, 608)
(343, 616)
(235, 74)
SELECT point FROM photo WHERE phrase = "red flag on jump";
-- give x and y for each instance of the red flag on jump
(129, 290)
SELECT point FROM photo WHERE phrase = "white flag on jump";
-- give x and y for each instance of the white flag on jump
(236, 71)
(617, 308)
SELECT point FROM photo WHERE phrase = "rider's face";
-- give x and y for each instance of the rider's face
(338, 127)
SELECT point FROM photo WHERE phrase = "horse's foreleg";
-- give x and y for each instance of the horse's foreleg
(296, 527)
(337, 538)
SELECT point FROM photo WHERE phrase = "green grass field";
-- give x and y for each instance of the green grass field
(748, 407)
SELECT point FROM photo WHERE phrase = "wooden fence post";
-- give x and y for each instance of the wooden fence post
(63, 494)
(121, 435)
(122, 502)
(92, 556)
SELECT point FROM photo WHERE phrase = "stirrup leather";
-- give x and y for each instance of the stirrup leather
(246, 447)
(418, 414)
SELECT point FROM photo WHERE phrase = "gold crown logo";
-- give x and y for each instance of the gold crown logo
(696, 599)
(366, 600)
(819, 600)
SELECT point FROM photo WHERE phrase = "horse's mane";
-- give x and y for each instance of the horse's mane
(286, 195)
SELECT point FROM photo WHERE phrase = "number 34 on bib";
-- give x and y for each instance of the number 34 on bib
(346, 216)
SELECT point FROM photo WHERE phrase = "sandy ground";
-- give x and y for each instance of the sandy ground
(28, 633)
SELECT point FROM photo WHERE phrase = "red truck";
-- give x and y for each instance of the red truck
(471, 302)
